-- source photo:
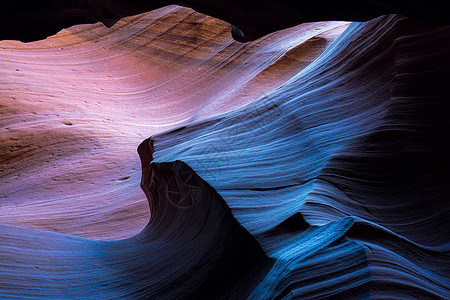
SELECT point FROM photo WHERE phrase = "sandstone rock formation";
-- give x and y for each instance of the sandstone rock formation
(76, 106)
(251, 19)
(270, 172)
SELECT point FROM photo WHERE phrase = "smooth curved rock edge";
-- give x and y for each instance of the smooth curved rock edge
(251, 19)
(361, 133)
(363, 213)
(192, 248)
(74, 107)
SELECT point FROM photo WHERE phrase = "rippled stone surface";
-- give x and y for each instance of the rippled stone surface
(357, 140)
(278, 174)
(76, 106)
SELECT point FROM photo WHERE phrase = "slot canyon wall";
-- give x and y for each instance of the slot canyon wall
(283, 152)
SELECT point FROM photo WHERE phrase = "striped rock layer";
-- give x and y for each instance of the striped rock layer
(270, 172)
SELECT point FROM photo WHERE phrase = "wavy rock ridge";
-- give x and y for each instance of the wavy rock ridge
(74, 108)
(333, 184)
(188, 249)
(360, 133)
(251, 19)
